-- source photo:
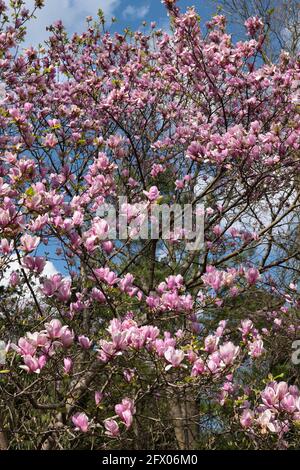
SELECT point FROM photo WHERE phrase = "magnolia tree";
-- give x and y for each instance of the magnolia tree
(148, 338)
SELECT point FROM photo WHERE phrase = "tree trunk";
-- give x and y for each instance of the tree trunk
(184, 414)
(3, 439)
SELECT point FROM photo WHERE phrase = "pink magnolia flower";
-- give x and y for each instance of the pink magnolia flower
(104, 274)
(228, 352)
(66, 337)
(90, 243)
(68, 364)
(126, 283)
(211, 343)
(213, 362)
(120, 339)
(107, 351)
(81, 422)
(266, 421)
(29, 243)
(4, 217)
(84, 342)
(14, 279)
(28, 107)
(112, 428)
(54, 328)
(77, 218)
(161, 345)
(58, 332)
(98, 397)
(174, 356)
(294, 390)
(33, 364)
(24, 347)
(179, 184)
(156, 170)
(198, 368)
(50, 140)
(51, 285)
(175, 282)
(107, 246)
(194, 150)
(64, 291)
(53, 122)
(253, 25)
(100, 228)
(217, 230)
(246, 327)
(35, 264)
(128, 374)
(149, 333)
(152, 194)
(125, 411)
(274, 393)
(281, 389)
(256, 348)
(98, 295)
(6, 247)
(221, 328)
(288, 403)
(213, 278)
(247, 418)
(16, 115)
(38, 339)
(252, 275)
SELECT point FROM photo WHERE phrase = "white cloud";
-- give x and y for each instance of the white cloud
(72, 13)
(133, 12)
(14, 265)
(23, 297)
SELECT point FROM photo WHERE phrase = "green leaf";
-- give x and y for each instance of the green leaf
(30, 192)
(280, 376)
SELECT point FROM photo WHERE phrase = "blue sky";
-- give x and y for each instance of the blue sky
(128, 13)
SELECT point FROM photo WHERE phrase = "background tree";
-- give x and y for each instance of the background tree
(281, 19)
